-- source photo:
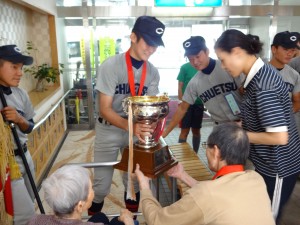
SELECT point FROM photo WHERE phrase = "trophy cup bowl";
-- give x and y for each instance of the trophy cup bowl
(153, 156)
(147, 110)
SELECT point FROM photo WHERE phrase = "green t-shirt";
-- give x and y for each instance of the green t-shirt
(186, 73)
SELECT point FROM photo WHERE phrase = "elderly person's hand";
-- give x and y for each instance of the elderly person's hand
(142, 179)
(126, 217)
(176, 171)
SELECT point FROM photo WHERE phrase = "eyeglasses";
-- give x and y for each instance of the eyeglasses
(205, 145)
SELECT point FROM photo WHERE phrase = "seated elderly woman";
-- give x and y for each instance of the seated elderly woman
(69, 193)
(235, 196)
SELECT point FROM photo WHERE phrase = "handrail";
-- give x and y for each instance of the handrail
(51, 111)
(95, 164)
(114, 215)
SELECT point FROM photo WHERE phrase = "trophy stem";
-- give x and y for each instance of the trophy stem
(146, 145)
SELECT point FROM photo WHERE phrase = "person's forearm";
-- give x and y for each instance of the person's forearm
(180, 85)
(128, 221)
(179, 94)
(150, 207)
(296, 107)
(114, 118)
(268, 138)
(155, 214)
(23, 124)
(296, 102)
(187, 179)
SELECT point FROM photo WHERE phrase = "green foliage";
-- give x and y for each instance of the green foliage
(43, 71)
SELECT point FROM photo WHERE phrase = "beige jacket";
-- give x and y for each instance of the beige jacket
(238, 198)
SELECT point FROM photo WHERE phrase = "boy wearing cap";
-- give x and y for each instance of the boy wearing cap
(295, 62)
(212, 84)
(119, 77)
(283, 48)
(20, 111)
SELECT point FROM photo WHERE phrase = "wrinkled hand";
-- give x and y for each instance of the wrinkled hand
(176, 171)
(142, 179)
(141, 130)
(11, 114)
(126, 217)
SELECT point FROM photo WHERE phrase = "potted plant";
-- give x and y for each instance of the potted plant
(42, 72)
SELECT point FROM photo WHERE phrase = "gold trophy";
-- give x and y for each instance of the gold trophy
(153, 155)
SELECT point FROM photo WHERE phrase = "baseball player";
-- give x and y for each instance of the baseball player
(295, 62)
(20, 111)
(218, 91)
(283, 49)
(119, 77)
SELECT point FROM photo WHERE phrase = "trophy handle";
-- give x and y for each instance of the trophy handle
(164, 111)
(125, 103)
(159, 129)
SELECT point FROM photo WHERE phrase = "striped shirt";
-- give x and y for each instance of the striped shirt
(267, 108)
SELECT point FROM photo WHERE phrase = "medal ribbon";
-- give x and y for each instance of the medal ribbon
(228, 169)
(131, 75)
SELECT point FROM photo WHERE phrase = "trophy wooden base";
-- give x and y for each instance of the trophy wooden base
(153, 161)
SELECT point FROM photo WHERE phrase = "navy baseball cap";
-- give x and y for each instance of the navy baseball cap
(286, 39)
(13, 54)
(151, 30)
(297, 34)
(194, 45)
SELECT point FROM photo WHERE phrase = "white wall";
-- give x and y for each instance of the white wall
(168, 81)
(62, 52)
(288, 23)
(260, 26)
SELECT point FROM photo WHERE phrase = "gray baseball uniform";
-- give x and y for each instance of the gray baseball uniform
(292, 79)
(23, 197)
(211, 89)
(295, 63)
(112, 80)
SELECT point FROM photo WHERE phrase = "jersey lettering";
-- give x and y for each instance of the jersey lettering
(290, 87)
(217, 90)
(123, 89)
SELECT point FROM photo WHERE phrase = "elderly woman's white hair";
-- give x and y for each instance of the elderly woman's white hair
(66, 187)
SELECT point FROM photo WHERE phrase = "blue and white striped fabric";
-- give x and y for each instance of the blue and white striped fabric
(267, 106)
